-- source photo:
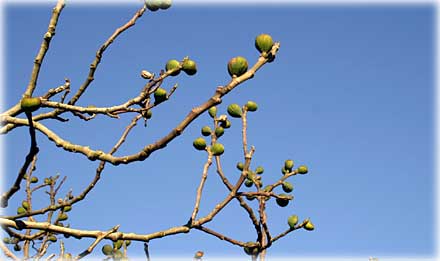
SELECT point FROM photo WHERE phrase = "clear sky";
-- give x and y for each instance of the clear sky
(350, 94)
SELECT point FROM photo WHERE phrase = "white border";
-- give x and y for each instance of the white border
(273, 2)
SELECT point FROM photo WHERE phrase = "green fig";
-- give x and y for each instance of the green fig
(288, 165)
(160, 95)
(118, 244)
(34, 180)
(212, 111)
(172, 65)
(107, 250)
(153, 5)
(263, 43)
(17, 247)
(6, 240)
(284, 171)
(235, 110)
(29, 104)
(52, 238)
(309, 225)
(237, 66)
(67, 257)
(240, 166)
(21, 210)
(248, 183)
(251, 106)
(62, 217)
(189, 67)
(67, 208)
(217, 149)
(219, 131)
(199, 143)
(165, 4)
(25, 204)
(127, 242)
(47, 181)
(206, 131)
(149, 114)
(287, 187)
(251, 249)
(292, 221)
(259, 170)
(282, 202)
(250, 197)
(303, 169)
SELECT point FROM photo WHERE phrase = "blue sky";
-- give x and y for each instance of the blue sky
(350, 94)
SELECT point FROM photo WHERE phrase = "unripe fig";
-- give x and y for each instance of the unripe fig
(29, 104)
(303, 169)
(252, 249)
(251, 106)
(282, 202)
(217, 149)
(52, 238)
(287, 187)
(309, 225)
(212, 111)
(62, 217)
(149, 114)
(219, 131)
(67, 257)
(118, 244)
(34, 180)
(165, 4)
(160, 95)
(67, 208)
(47, 181)
(17, 247)
(240, 166)
(288, 164)
(153, 5)
(259, 170)
(235, 110)
(6, 240)
(292, 221)
(171, 65)
(225, 124)
(263, 43)
(206, 131)
(248, 183)
(199, 143)
(127, 242)
(21, 210)
(146, 75)
(107, 250)
(25, 204)
(284, 171)
(189, 67)
(237, 66)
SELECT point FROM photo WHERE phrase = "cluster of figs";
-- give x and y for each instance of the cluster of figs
(114, 250)
(235, 111)
(154, 5)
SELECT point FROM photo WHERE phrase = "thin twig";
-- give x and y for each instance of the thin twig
(96, 242)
